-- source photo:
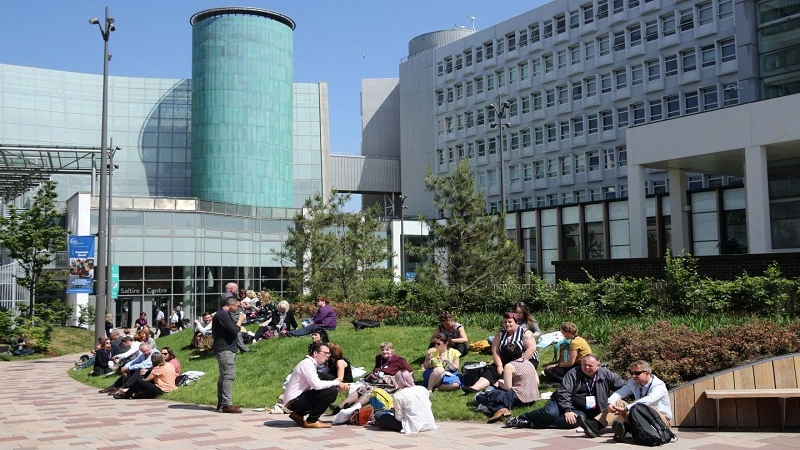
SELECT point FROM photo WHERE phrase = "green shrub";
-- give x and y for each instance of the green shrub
(681, 279)
(349, 310)
(55, 312)
(6, 325)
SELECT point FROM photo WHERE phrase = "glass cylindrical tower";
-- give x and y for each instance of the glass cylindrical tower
(242, 122)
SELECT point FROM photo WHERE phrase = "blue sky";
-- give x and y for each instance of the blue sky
(153, 39)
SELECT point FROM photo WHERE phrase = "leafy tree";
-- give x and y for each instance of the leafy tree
(468, 253)
(332, 252)
(32, 237)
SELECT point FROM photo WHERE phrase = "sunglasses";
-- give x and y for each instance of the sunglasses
(438, 343)
(637, 372)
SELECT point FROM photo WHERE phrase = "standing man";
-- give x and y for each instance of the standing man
(324, 319)
(307, 394)
(230, 291)
(179, 313)
(645, 388)
(583, 393)
(225, 331)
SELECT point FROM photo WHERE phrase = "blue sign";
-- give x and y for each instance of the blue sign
(114, 281)
(80, 250)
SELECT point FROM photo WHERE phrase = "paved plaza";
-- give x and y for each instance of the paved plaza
(44, 408)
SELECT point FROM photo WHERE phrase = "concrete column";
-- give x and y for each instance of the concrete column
(759, 239)
(679, 212)
(637, 214)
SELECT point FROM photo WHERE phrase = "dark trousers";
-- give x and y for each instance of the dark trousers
(549, 416)
(140, 385)
(306, 330)
(127, 382)
(387, 421)
(313, 403)
(497, 399)
(557, 373)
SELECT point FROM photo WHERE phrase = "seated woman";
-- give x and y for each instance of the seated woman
(511, 333)
(268, 308)
(386, 363)
(578, 348)
(249, 306)
(22, 347)
(160, 381)
(520, 385)
(441, 365)
(449, 326)
(169, 356)
(412, 408)
(280, 323)
(526, 319)
(337, 367)
(103, 363)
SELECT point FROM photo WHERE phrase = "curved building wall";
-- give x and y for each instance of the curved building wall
(436, 39)
(242, 130)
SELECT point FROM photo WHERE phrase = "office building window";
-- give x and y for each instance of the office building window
(577, 126)
(730, 94)
(580, 163)
(668, 24)
(440, 97)
(523, 37)
(548, 62)
(538, 169)
(705, 14)
(651, 30)
(592, 119)
(470, 150)
(588, 50)
(708, 56)
(537, 101)
(619, 6)
(500, 48)
(588, 13)
(526, 105)
(523, 71)
(635, 34)
(561, 23)
(440, 156)
(653, 70)
(526, 137)
(564, 130)
(605, 83)
(710, 98)
(670, 65)
(673, 106)
(687, 19)
(492, 146)
(563, 94)
(488, 49)
(552, 168)
(622, 117)
(561, 56)
(579, 196)
(621, 78)
(577, 91)
(448, 65)
(608, 158)
(470, 88)
(450, 95)
(619, 41)
(575, 54)
(468, 57)
(607, 120)
(638, 113)
(550, 131)
(688, 60)
(533, 32)
(501, 78)
(727, 50)
(565, 165)
(479, 85)
(490, 82)
(551, 98)
(480, 118)
(656, 112)
(469, 117)
(538, 136)
(547, 29)
(724, 9)
(574, 19)
(622, 156)
(602, 9)
(481, 144)
(603, 45)
(594, 160)
(478, 54)
(609, 192)
(527, 172)
(591, 86)
(511, 41)
(691, 103)
(637, 75)
(459, 91)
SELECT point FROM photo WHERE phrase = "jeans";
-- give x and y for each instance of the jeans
(387, 421)
(549, 416)
(313, 403)
(497, 399)
(226, 360)
(308, 329)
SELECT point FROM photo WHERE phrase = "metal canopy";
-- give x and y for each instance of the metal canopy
(23, 167)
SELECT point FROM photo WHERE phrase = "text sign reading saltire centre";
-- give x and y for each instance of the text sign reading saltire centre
(81, 264)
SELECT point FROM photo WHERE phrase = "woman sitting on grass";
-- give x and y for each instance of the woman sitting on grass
(526, 319)
(160, 381)
(441, 365)
(412, 408)
(103, 363)
(453, 329)
(337, 367)
(520, 385)
(578, 348)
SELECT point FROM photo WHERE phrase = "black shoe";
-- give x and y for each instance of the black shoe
(119, 396)
(591, 427)
(517, 422)
(619, 430)
(334, 409)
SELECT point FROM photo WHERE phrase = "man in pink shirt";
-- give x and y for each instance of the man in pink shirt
(306, 394)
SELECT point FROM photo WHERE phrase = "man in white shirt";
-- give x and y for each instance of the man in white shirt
(646, 389)
(306, 394)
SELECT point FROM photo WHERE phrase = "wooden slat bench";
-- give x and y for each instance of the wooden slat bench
(781, 394)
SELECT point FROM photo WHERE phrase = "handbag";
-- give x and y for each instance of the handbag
(362, 416)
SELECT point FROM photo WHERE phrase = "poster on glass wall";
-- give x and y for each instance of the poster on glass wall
(81, 264)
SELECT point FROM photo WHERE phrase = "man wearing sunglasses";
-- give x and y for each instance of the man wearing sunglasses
(646, 389)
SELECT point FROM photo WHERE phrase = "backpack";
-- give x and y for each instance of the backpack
(364, 323)
(646, 426)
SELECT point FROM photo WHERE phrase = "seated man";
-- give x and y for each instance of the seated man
(645, 388)
(138, 368)
(306, 394)
(584, 392)
(203, 339)
(324, 319)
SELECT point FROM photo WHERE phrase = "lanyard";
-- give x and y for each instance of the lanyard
(385, 362)
(591, 386)
(649, 385)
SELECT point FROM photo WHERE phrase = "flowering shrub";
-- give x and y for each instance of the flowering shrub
(354, 310)
(679, 354)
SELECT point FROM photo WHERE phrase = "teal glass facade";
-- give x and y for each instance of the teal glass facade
(242, 107)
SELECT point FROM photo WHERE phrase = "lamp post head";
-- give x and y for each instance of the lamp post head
(94, 21)
(109, 20)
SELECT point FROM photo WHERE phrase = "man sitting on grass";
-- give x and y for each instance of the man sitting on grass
(306, 394)
(584, 392)
(645, 388)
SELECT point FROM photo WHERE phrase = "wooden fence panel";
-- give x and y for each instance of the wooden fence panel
(727, 406)
(764, 375)
(684, 407)
(705, 411)
(747, 408)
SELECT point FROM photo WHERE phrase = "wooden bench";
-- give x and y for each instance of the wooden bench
(780, 394)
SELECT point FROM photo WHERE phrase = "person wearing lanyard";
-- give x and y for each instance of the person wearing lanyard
(583, 393)
(645, 388)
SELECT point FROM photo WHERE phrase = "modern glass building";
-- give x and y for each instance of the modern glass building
(210, 170)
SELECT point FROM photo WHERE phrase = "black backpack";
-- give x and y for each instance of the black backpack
(646, 426)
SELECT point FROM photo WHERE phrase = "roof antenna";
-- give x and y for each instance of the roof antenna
(473, 22)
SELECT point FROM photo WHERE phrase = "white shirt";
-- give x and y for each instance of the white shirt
(159, 315)
(412, 407)
(205, 330)
(304, 378)
(653, 394)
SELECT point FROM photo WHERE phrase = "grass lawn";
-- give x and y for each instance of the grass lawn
(260, 373)
(65, 341)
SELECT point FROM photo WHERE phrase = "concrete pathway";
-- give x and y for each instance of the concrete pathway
(44, 408)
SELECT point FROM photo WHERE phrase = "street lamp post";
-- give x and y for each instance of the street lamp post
(100, 287)
(402, 239)
(501, 114)
(110, 237)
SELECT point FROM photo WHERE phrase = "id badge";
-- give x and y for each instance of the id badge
(591, 402)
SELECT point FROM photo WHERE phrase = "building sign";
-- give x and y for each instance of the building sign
(114, 281)
(127, 288)
(80, 250)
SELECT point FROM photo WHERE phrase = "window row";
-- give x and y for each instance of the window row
(572, 197)
(684, 61)
(667, 107)
(681, 20)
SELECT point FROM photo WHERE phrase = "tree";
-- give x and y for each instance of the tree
(32, 237)
(331, 252)
(469, 251)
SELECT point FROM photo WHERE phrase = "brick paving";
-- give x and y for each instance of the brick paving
(43, 408)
